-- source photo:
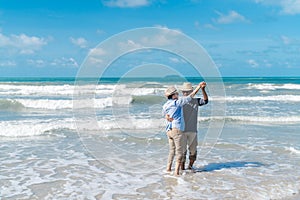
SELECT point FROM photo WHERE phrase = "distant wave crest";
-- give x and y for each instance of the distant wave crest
(270, 86)
(11, 105)
(254, 119)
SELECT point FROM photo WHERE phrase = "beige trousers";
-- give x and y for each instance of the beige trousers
(176, 143)
(190, 139)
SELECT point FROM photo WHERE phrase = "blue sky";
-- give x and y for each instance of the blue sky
(47, 38)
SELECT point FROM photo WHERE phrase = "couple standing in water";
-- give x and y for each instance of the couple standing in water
(181, 117)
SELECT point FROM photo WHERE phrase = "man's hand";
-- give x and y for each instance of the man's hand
(170, 119)
(202, 85)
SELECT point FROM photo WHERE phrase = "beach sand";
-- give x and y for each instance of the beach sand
(295, 196)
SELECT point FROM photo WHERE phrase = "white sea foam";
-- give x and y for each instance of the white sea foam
(293, 150)
(51, 104)
(266, 119)
(65, 104)
(269, 86)
(55, 104)
(136, 91)
(131, 124)
(283, 98)
(43, 90)
(68, 90)
(40, 127)
(26, 128)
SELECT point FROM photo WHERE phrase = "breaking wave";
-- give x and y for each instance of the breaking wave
(11, 105)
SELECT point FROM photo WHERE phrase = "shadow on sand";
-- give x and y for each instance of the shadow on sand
(227, 165)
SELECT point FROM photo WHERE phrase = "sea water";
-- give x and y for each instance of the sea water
(45, 156)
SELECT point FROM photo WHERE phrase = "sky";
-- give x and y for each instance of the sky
(51, 38)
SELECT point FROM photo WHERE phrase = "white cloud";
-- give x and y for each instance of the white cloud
(36, 63)
(93, 60)
(22, 43)
(289, 41)
(4, 40)
(58, 62)
(165, 29)
(164, 37)
(197, 24)
(289, 7)
(130, 44)
(126, 3)
(207, 26)
(176, 60)
(231, 17)
(160, 26)
(267, 63)
(7, 63)
(24, 40)
(97, 52)
(286, 40)
(252, 63)
(158, 40)
(95, 56)
(100, 31)
(72, 62)
(219, 65)
(64, 62)
(210, 26)
(81, 42)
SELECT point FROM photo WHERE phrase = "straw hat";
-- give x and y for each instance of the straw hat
(187, 86)
(170, 90)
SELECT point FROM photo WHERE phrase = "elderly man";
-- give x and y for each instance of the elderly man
(190, 114)
(174, 128)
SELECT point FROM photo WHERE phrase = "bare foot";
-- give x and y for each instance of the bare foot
(176, 173)
(182, 166)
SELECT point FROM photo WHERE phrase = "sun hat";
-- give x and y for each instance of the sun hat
(170, 90)
(187, 86)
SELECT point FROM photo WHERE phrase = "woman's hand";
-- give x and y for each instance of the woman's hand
(170, 119)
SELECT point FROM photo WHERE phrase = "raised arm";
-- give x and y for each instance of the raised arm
(203, 85)
(196, 90)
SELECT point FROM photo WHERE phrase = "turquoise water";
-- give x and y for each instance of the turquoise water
(45, 154)
(71, 80)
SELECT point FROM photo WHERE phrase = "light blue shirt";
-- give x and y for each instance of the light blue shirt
(173, 107)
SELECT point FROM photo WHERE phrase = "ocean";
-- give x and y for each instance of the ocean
(121, 151)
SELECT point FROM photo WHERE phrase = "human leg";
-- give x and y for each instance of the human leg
(178, 141)
(171, 151)
(184, 149)
(192, 146)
